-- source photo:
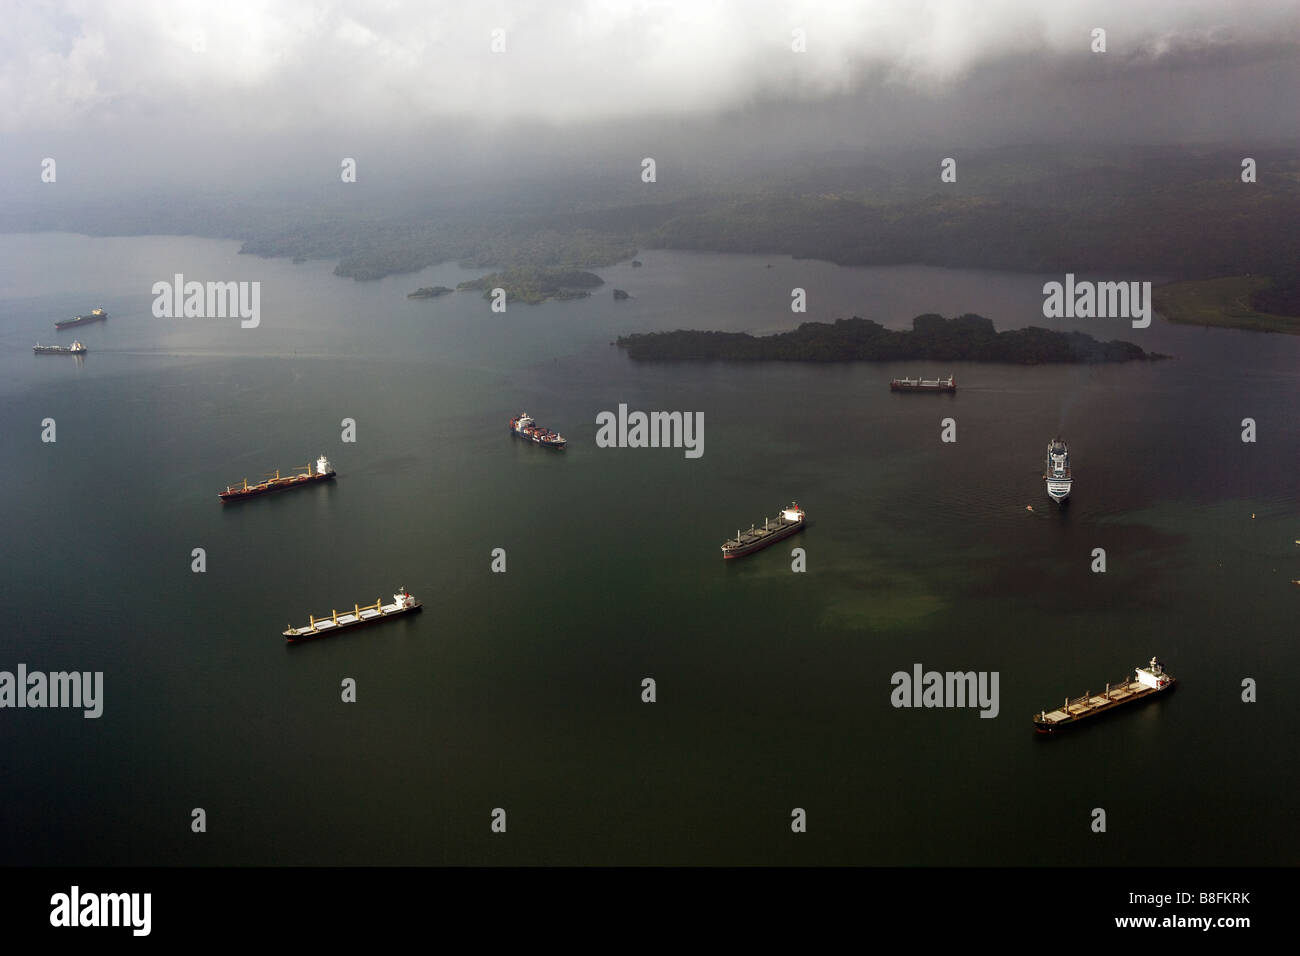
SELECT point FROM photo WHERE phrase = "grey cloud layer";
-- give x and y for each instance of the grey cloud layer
(296, 63)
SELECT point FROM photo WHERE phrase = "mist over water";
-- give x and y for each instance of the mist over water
(522, 690)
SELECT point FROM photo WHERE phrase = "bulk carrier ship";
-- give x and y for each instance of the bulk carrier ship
(76, 348)
(403, 603)
(324, 472)
(948, 384)
(1150, 681)
(786, 523)
(1058, 476)
(521, 426)
(94, 315)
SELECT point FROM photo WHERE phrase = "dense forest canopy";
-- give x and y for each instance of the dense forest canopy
(966, 338)
(532, 285)
(1168, 212)
(1281, 298)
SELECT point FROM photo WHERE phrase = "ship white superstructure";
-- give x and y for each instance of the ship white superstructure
(1058, 476)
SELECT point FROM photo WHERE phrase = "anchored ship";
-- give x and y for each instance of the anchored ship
(1058, 475)
(94, 315)
(948, 384)
(1149, 681)
(76, 348)
(403, 603)
(786, 523)
(324, 472)
(524, 427)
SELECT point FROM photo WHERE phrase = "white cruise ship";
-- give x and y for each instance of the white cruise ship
(1058, 475)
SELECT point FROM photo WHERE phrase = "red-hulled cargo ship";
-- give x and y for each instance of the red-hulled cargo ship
(323, 472)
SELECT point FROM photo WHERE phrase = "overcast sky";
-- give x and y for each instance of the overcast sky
(153, 80)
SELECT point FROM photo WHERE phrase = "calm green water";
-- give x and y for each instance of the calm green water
(522, 690)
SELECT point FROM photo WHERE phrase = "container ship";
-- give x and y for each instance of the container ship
(94, 315)
(783, 525)
(76, 348)
(1150, 681)
(948, 384)
(524, 427)
(1058, 475)
(403, 603)
(324, 472)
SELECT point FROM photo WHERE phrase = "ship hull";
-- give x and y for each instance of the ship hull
(766, 541)
(1059, 491)
(282, 485)
(347, 622)
(59, 351)
(902, 387)
(85, 320)
(1100, 708)
(537, 441)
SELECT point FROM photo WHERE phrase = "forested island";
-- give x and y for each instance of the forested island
(533, 285)
(429, 292)
(966, 338)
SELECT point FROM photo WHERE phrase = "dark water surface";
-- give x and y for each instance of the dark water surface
(523, 690)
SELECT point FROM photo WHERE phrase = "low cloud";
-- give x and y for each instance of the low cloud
(297, 64)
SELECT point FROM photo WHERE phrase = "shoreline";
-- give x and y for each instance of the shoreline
(1220, 302)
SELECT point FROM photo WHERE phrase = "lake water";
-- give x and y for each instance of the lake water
(522, 690)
